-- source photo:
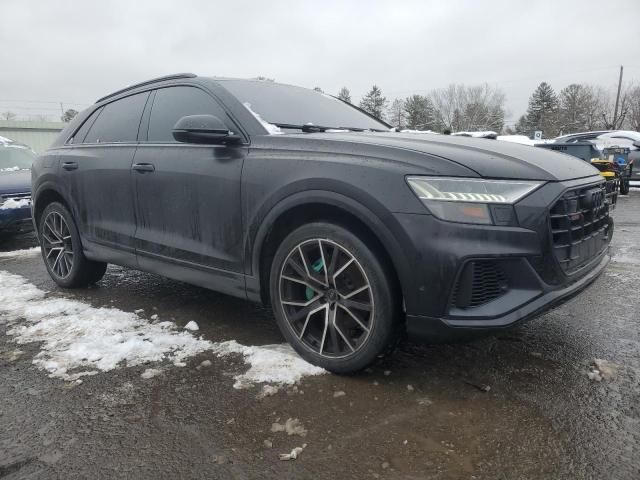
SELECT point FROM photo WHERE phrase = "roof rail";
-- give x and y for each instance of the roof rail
(148, 82)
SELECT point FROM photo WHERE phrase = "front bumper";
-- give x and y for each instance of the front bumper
(428, 328)
(527, 276)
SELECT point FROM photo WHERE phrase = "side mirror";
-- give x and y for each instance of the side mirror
(203, 129)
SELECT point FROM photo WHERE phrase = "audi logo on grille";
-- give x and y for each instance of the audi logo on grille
(593, 198)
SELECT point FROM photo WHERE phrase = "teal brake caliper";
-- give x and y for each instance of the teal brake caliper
(317, 267)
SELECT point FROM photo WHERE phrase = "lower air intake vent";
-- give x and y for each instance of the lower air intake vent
(480, 282)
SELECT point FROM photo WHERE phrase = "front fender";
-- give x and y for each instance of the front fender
(387, 229)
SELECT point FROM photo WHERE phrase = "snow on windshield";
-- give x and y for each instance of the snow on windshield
(271, 128)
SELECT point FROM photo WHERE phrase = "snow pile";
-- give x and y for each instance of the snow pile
(408, 130)
(487, 134)
(602, 370)
(27, 252)
(192, 326)
(78, 339)
(626, 255)
(269, 364)
(522, 139)
(292, 426)
(11, 169)
(12, 203)
(272, 129)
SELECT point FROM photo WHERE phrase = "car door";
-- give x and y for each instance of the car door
(95, 168)
(187, 196)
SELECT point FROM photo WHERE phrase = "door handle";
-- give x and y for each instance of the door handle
(70, 165)
(143, 167)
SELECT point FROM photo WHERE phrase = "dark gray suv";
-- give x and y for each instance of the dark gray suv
(354, 233)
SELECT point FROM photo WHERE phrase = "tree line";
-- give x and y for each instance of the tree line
(458, 107)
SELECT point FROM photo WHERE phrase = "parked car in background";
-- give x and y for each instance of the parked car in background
(352, 232)
(605, 141)
(15, 187)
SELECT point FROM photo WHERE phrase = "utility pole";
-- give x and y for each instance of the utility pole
(615, 110)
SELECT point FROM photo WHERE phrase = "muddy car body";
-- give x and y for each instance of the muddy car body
(352, 232)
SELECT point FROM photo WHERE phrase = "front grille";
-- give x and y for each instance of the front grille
(480, 282)
(579, 223)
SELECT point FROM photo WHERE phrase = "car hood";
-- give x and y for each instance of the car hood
(488, 158)
(18, 181)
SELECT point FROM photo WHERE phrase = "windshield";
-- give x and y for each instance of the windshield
(286, 104)
(14, 157)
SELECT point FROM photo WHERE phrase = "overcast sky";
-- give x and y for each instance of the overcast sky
(77, 51)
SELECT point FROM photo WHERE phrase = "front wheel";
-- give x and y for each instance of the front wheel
(62, 250)
(333, 299)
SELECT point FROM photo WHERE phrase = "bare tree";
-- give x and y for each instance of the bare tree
(609, 119)
(396, 114)
(633, 114)
(474, 108)
(344, 94)
(8, 116)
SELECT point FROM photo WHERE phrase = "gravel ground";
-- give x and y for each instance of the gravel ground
(517, 404)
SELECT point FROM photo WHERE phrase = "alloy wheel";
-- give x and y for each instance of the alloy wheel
(326, 298)
(57, 245)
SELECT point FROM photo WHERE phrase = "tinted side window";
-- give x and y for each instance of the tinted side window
(82, 131)
(173, 103)
(119, 121)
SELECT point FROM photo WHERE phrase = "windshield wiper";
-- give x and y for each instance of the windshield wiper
(319, 128)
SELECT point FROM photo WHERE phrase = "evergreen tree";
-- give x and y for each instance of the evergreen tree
(374, 102)
(397, 114)
(575, 102)
(543, 111)
(344, 94)
(418, 113)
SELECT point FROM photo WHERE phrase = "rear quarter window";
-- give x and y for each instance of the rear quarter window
(119, 121)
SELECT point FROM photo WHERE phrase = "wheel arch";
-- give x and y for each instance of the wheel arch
(379, 229)
(45, 195)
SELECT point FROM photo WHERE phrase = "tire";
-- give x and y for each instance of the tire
(339, 309)
(62, 250)
(624, 187)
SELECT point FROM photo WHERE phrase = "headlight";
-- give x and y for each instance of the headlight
(471, 200)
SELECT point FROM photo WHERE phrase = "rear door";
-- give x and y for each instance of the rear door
(188, 196)
(95, 169)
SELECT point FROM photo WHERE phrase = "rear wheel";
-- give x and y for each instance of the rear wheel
(62, 250)
(333, 299)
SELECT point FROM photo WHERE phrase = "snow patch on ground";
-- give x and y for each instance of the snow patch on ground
(269, 364)
(27, 252)
(78, 339)
(627, 255)
(192, 326)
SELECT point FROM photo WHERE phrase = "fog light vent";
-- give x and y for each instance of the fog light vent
(480, 282)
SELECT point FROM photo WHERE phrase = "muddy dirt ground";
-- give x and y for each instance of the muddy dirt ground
(516, 404)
